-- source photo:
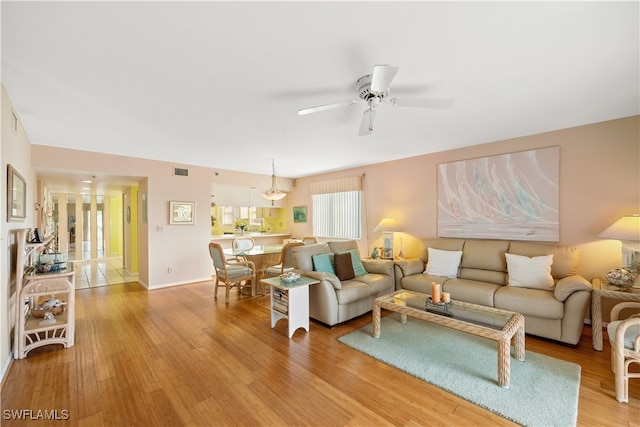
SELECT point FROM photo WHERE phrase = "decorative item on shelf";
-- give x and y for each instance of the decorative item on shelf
(52, 305)
(387, 226)
(374, 253)
(49, 319)
(621, 277)
(289, 277)
(273, 193)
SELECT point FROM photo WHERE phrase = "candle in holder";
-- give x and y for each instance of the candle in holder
(446, 297)
(436, 289)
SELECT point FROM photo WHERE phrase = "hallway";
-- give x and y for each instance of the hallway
(92, 273)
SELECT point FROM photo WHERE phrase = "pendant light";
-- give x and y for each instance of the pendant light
(273, 193)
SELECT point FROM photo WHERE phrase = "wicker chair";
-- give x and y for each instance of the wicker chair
(240, 245)
(624, 336)
(309, 240)
(231, 274)
(284, 264)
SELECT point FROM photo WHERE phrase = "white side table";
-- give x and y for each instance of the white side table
(603, 289)
(290, 301)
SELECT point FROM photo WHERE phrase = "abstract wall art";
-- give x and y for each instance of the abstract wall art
(511, 196)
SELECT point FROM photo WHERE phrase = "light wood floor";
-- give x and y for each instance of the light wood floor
(178, 357)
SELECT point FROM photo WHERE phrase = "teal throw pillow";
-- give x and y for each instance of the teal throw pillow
(358, 268)
(324, 263)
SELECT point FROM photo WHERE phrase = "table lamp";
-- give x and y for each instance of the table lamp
(387, 226)
(627, 230)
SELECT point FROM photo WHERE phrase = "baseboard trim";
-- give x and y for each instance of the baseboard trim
(5, 368)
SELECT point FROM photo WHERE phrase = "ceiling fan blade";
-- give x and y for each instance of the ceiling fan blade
(382, 77)
(327, 107)
(366, 125)
(421, 103)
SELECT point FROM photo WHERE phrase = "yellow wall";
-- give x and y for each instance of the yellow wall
(115, 226)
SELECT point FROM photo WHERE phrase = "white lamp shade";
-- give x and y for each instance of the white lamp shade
(625, 229)
(273, 195)
(387, 224)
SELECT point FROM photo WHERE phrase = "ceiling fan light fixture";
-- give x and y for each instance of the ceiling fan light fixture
(273, 193)
(374, 89)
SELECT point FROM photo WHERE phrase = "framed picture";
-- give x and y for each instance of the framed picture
(16, 195)
(299, 214)
(387, 245)
(182, 213)
(513, 196)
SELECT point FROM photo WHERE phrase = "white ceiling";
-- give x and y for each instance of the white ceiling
(219, 84)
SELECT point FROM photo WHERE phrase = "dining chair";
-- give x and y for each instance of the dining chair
(624, 337)
(231, 274)
(309, 240)
(242, 244)
(284, 264)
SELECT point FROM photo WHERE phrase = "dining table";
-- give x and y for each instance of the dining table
(259, 255)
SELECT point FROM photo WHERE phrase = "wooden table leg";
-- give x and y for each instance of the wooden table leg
(376, 319)
(504, 362)
(596, 321)
(519, 342)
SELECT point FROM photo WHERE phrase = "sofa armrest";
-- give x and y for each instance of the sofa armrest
(570, 284)
(378, 266)
(408, 267)
(319, 275)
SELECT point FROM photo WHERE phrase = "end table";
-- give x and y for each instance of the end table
(601, 288)
(290, 301)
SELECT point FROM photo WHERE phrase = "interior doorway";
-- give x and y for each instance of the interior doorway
(86, 225)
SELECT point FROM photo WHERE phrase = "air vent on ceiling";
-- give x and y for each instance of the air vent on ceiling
(181, 171)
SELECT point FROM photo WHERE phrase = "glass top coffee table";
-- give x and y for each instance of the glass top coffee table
(492, 323)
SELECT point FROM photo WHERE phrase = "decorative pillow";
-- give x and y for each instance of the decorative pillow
(324, 263)
(358, 267)
(344, 266)
(525, 272)
(443, 263)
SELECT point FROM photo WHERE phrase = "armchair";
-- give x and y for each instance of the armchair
(624, 336)
(231, 274)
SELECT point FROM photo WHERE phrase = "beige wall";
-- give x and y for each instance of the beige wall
(599, 182)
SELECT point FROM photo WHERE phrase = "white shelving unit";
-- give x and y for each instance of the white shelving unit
(32, 332)
(290, 301)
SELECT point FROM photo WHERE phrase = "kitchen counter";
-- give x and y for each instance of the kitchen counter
(259, 238)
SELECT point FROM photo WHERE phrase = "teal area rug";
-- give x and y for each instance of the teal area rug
(543, 391)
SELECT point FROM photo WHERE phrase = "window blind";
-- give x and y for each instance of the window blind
(337, 215)
(352, 183)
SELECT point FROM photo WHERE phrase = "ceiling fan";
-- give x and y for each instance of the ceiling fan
(374, 89)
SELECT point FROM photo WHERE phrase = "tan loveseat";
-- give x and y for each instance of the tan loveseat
(556, 311)
(334, 301)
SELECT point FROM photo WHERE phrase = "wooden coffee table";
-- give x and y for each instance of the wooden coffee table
(487, 322)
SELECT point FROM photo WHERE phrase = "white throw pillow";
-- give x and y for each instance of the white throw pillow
(525, 272)
(443, 263)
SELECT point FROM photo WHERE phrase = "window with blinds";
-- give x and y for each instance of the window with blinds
(337, 208)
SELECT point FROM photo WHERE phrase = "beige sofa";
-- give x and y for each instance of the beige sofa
(554, 310)
(334, 301)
